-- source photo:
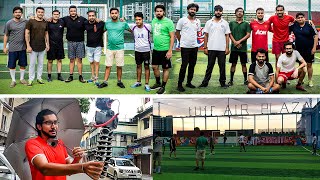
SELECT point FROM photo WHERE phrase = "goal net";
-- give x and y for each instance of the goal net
(231, 137)
(29, 10)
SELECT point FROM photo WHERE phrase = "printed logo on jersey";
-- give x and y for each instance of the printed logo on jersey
(260, 32)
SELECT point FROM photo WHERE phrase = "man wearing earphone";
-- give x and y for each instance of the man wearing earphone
(47, 155)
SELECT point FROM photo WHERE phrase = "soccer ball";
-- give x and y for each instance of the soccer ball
(232, 146)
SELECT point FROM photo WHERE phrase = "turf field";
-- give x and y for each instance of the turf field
(258, 163)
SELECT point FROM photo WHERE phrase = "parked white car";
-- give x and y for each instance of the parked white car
(6, 170)
(123, 168)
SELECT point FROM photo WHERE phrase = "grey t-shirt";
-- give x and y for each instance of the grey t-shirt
(261, 74)
(15, 32)
(158, 142)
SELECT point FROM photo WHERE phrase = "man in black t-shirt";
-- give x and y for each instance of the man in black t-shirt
(173, 144)
(56, 51)
(95, 32)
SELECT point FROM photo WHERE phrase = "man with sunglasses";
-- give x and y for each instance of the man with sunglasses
(47, 155)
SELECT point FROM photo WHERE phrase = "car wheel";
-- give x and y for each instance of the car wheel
(115, 176)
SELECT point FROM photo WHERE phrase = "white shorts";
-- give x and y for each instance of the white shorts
(94, 54)
(118, 55)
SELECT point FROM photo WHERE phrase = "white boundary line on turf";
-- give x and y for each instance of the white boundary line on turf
(309, 150)
(317, 57)
(131, 55)
(178, 60)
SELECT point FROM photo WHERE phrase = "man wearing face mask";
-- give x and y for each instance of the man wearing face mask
(261, 76)
(285, 67)
(47, 155)
(187, 29)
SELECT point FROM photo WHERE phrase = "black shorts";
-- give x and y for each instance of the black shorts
(234, 57)
(254, 57)
(307, 56)
(142, 57)
(55, 53)
(173, 149)
(159, 58)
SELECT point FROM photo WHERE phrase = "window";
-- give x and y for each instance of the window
(3, 122)
(123, 138)
(146, 123)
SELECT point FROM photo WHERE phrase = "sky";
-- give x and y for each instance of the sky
(180, 107)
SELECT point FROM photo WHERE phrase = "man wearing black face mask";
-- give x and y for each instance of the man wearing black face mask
(261, 76)
(285, 67)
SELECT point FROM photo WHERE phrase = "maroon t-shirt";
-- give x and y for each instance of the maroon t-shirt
(37, 34)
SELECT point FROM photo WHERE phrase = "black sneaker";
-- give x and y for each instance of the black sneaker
(70, 78)
(102, 85)
(155, 86)
(283, 85)
(121, 85)
(189, 85)
(49, 79)
(81, 79)
(230, 83)
(245, 82)
(195, 169)
(181, 89)
(162, 90)
(60, 78)
(225, 86)
(203, 85)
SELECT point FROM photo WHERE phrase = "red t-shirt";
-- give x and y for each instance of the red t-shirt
(38, 146)
(281, 27)
(260, 35)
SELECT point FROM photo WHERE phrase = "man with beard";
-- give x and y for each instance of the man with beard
(47, 155)
(163, 38)
(95, 32)
(56, 51)
(115, 51)
(285, 67)
(14, 34)
(240, 32)
(75, 37)
(216, 45)
(306, 41)
(187, 29)
(261, 76)
(260, 30)
(37, 39)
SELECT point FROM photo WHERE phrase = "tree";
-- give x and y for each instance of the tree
(84, 104)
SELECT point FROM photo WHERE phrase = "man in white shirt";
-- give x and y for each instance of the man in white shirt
(241, 142)
(186, 33)
(314, 144)
(142, 47)
(216, 45)
(285, 67)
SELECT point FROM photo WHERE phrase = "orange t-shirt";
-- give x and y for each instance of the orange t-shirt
(281, 27)
(37, 146)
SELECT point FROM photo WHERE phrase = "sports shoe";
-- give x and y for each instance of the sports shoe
(49, 79)
(162, 90)
(310, 83)
(197, 168)
(13, 84)
(40, 81)
(224, 86)
(300, 88)
(245, 82)
(230, 83)
(81, 79)
(259, 91)
(181, 89)
(70, 78)
(203, 85)
(189, 85)
(90, 80)
(102, 85)
(136, 84)
(121, 85)
(147, 88)
(29, 83)
(155, 86)
(24, 82)
(60, 78)
(283, 85)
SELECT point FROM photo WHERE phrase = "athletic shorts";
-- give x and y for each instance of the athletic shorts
(286, 76)
(277, 47)
(159, 58)
(94, 54)
(76, 50)
(201, 154)
(117, 55)
(254, 57)
(157, 156)
(307, 56)
(55, 53)
(142, 57)
(173, 149)
(20, 56)
(234, 57)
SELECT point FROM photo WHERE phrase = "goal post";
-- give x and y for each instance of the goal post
(82, 9)
(232, 137)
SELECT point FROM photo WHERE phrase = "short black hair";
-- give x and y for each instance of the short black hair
(201, 133)
(112, 9)
(138, 14)
(259, 9)
(72, 6)
(238, 10)
(314, 134)
(193, 5)
(17, 8)
(56, 11)
(279, 5)
(261, 50)
(92, 11)
(300, 14)
(288, 43)
(160, 6)
(39, 8)
(218, 7)
(40, 118)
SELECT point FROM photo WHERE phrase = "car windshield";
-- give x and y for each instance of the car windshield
(124, 163)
